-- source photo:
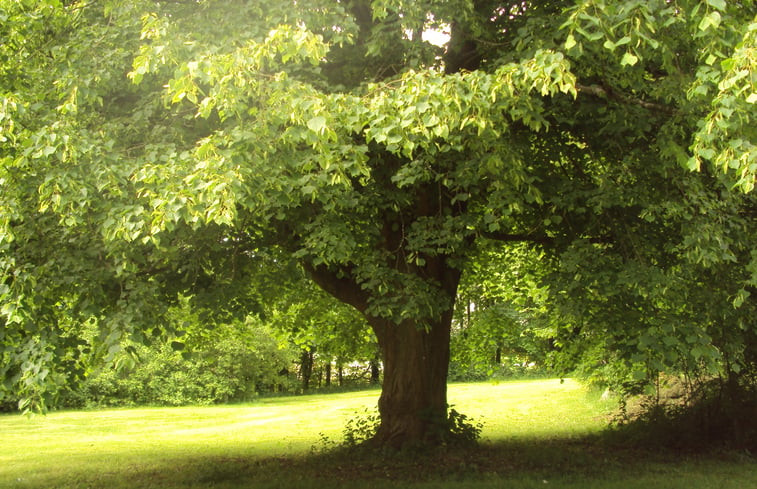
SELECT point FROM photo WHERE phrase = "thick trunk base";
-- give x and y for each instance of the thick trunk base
(413, 402)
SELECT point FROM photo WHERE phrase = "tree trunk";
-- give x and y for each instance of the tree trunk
(328, 373)
(375, 371)
(306, 368)
(413, 402)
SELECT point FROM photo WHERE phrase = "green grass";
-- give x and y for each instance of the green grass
(536, 434)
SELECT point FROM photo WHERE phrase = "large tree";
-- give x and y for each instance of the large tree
(153, 148)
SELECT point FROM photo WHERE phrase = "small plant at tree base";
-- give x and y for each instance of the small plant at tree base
(361, 427)
(324, 444)
(462, 430)
(458, 430)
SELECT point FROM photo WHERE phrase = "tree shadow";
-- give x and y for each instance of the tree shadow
(523, 462)
(542, 458)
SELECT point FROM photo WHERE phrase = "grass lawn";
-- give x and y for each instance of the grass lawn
(536, 434)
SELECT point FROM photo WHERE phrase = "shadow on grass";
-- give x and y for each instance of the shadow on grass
(562, 463)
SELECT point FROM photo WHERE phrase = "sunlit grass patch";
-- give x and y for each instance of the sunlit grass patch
(532, 409)
(534, 431)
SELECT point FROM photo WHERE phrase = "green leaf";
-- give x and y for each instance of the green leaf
(741, 296)
(718, 4)
(317, 124)
(629, 59)
(639, 375)
(707, 153)
(570, 42)
(114, 349)
(710, 20)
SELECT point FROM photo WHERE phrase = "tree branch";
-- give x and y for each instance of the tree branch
(339, 285)
(517, 237)
(602, 92)
(536, 238)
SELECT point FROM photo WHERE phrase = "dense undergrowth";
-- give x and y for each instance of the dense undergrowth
(717, 413)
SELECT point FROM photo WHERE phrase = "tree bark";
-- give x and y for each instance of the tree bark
(306, 368)
(375, 371)
(413, 402)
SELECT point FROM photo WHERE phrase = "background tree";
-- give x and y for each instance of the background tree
(503, 325)
(234, 362)
(327, 333)
(147, 152)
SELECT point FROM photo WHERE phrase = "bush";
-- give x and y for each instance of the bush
(236, 367)
(7, 406)
(462, 429)
(361, 428)
(477, 372)
(717, 413)
(457, 430)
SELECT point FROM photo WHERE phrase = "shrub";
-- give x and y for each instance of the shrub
(242, 362)
(360, 428)
(716, 413)
(462, 429)
(457, 430)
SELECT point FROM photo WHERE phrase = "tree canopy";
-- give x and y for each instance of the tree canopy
(154, 149)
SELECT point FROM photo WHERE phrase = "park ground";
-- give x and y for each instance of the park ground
(537, 433)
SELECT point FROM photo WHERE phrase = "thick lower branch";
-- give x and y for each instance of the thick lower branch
(602, 92)
(340, 285)
(536, 238)
(517, 237)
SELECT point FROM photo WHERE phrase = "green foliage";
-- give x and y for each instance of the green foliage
(713, 413)
(238, 365)
(631, 310)
(458, 429)
(312, 320)
(148, 156)
(361, 427)
(461, 429)
(502, 329)
(718, 67)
